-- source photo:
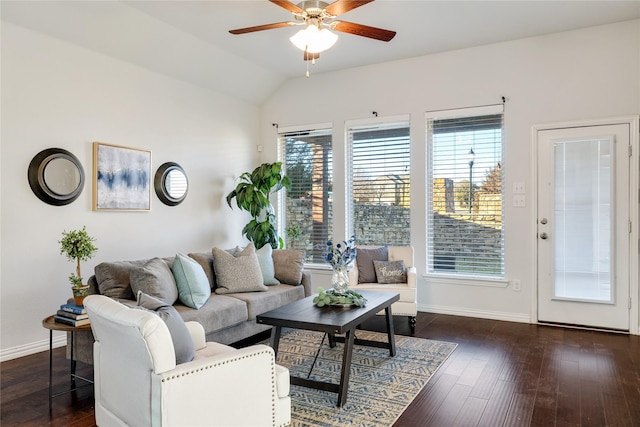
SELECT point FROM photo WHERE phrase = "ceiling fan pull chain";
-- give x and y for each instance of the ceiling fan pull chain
(307, 62)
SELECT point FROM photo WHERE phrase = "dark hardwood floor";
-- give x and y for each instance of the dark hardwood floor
(501, 374)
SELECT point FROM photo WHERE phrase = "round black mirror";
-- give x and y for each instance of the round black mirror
(171, 184)
(56, 176)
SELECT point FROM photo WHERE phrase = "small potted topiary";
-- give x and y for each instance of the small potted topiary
(78, 246)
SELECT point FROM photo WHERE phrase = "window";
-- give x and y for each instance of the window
(307, 206)
(465, 192)
(378, 181)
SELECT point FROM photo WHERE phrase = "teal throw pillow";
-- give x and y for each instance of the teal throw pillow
(265, 259)
(192, 282)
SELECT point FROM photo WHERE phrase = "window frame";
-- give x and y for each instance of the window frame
(444, 277)
(349, 164)
(282, 195)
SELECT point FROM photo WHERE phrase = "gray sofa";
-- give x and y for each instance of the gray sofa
(226, 318)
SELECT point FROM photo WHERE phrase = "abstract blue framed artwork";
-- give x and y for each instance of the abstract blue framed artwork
(122, 178)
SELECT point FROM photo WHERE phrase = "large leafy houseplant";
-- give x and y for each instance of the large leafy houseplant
(252, 195)
(78, 246)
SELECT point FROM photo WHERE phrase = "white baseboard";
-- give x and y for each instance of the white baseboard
(32, 348)
(493, 315)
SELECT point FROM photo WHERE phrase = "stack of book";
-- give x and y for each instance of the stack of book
(71, 314)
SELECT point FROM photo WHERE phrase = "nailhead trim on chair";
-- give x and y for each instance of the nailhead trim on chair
(273, 380)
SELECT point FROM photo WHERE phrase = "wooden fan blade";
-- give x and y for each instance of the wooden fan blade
(287, 5)
(339, 7)
(363, 30)
(308, 56)
(262, 27)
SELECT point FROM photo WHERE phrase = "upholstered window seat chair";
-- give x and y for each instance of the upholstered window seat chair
(362, 276)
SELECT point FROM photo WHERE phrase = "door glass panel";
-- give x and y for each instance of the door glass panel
(583, 220)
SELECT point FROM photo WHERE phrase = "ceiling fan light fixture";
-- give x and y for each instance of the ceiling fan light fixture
(313, 40)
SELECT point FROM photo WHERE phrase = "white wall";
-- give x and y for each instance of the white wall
(58, 95)
(585, 74)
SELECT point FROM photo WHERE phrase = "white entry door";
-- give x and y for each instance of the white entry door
(584, 226)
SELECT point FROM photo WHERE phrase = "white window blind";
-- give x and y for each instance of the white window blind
(379, 182)
(307, 206)
(465, 233)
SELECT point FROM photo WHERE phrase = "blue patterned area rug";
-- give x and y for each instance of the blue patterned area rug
(380, 386)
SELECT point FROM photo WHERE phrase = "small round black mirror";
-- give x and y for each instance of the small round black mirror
(171, 184)
(56, 176)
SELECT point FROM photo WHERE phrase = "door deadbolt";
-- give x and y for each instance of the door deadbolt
(543, 221)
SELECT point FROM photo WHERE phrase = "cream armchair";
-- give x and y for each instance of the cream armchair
(137, 381)
(408, 303)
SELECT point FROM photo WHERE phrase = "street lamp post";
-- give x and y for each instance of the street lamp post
(471, 156)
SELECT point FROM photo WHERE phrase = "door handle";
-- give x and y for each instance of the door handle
(544, 236)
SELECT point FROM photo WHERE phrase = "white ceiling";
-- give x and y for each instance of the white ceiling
(189, 40)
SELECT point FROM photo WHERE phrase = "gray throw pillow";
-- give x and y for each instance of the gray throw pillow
(390, 271)
(156, 279)
(205, 259)
(183, 344)
(364, 261)
(114, 278)
(288, 265)
(239, 273)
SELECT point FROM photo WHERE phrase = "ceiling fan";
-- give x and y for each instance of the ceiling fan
(318, 18)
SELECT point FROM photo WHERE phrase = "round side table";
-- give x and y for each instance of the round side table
(50, 324)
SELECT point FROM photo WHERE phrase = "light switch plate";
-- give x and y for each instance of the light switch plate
(518, 188)
(519, 201)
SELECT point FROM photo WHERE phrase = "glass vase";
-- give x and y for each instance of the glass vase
(340, 279)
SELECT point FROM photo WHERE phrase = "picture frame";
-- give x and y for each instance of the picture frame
(121, 178)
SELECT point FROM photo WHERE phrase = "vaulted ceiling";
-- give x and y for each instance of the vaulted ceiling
(189, 40)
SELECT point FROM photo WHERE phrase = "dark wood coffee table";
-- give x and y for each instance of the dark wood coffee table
(304, 314)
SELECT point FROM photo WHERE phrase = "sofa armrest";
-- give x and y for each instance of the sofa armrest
(196, 330)
(93, 285)
(306, 283)
(225, 384)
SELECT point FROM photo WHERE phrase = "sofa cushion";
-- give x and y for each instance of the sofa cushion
(219, 312)
(364, 261)
(113, 278)
(183, 344)
(265, 260)
(277, 296)
(193, 286)
(390, 271)
(239, 273)
(156, 279)
(288, 265)
(205, 259)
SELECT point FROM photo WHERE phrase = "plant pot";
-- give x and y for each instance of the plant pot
(79, 293)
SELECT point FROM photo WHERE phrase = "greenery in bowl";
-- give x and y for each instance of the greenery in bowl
(330, 297)
(78, 246)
